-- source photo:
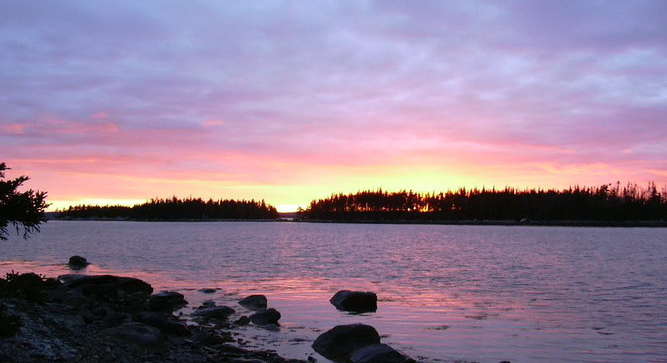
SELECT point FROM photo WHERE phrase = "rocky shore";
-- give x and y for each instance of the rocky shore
(78, 318)
(105, 318)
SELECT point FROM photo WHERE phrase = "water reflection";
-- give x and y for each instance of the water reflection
(451, 292)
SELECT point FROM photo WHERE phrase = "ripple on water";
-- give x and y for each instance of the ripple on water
(520, 294)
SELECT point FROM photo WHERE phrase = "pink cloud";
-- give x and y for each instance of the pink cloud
(12, 129)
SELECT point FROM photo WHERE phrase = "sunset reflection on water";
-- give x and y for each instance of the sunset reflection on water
(445, 292)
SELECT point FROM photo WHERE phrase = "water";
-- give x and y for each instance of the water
(474, 293)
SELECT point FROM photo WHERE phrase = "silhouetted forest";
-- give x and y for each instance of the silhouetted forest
(175, 208)
(605, 203)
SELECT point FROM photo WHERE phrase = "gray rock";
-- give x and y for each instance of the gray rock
(135, 333)
(77, 262)
(166, 301)
(340, 342)
(355, 301)
(165, 323)
(379, 353)
(268, 316)
(254, 302)
(215, 312)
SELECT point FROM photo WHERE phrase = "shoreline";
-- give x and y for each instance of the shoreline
(555, 223)
(107, 318)
(111, 318)
(529, 223)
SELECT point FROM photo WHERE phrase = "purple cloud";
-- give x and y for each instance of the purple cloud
(311, 84)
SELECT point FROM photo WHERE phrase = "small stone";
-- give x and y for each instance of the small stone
(163, 322)
(268, 316)
(244, 320)
(355, 301)
(340, 342)
(77, 262)
(215, 312)
(166, 301)
(254, 302)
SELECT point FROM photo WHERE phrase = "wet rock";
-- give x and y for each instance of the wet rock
(112, 288)
(135, 333)
(208, 290)
(244, 320)
(379, 353)
(166, 301)
(340, 342)
(165, 323)
(207, 304)
(355, 301)
(215, 312)
(77, 262)
(209, 338)
(268, 316)
(254, 302)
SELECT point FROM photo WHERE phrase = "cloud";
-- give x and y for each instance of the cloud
(276, 93)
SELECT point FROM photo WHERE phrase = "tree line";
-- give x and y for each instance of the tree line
(609, 202)
(175, 209)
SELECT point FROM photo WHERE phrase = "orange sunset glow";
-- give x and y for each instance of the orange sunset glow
(381, 106)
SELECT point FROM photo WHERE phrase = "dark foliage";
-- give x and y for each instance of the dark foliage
(606, 203)
(28, 286)
(21, 209)
(177, 209)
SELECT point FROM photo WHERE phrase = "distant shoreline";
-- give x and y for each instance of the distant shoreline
(555, 223)
(657, 224)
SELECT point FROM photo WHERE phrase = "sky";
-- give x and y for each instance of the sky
(114, 102)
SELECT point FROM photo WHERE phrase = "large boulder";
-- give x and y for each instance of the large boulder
(214, 312)
(167, 324)
(166, 301)
(342, 341)
(127, 292)
(254, 302)
(355, 301)
(379, 353)
(264, 317)
(77, 262)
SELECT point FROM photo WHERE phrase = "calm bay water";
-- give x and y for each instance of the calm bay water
(476, 293)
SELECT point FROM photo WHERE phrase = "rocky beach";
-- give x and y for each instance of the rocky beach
(107, 318)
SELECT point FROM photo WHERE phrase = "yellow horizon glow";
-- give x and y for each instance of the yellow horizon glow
(288, 208)
(319, 182)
